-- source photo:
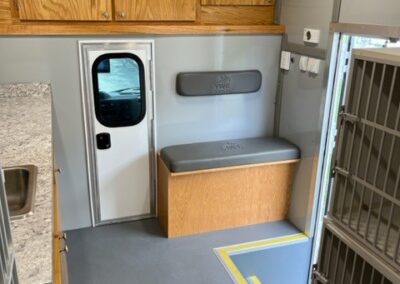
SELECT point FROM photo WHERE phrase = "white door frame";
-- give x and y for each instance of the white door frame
(87, 102)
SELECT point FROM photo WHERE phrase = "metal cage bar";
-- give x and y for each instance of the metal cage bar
(371, 144)
(348, 265)
(394, 77)
(362, 139)
(391, 155)
(353, 134)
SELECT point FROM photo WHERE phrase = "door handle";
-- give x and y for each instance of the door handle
(103, 141)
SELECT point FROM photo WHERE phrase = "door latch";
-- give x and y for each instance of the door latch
(320, 276)
(341, 171)
(103, 141)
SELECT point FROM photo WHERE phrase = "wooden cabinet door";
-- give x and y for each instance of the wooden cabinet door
(237, 12)
(65, 10)
(155, 10)
(238, 2)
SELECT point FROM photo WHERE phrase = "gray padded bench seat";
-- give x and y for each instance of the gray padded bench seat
(228, 153)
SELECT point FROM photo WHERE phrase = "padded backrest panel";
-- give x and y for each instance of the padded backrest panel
(218, 83)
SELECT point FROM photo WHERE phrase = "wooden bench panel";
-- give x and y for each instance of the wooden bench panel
(203, 201)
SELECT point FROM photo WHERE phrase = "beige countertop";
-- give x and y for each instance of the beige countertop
(25, 131)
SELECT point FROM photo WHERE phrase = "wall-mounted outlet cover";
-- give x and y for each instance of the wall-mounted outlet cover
(311, 36)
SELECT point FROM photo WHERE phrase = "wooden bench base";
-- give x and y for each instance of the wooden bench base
(215, 199)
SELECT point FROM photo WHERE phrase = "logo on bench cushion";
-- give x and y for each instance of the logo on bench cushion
(231, 146)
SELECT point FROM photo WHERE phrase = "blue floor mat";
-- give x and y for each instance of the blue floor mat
(274, 261)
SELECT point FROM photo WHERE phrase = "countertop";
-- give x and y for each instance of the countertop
(25, 131)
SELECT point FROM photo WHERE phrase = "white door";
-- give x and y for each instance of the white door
(121, 112)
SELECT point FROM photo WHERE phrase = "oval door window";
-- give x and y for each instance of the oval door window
(119, 89)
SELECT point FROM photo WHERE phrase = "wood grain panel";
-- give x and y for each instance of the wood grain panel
(5, 10)
(233, 15)
(8, 11)
(155, 10)
(57, 278)
(162, 193)
(10, 23)
(238, 2)
(65, 10)
(131, 29)
(210, 201)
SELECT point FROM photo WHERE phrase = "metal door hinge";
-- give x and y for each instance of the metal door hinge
(151, 75)
(320, 276)
(333, 171)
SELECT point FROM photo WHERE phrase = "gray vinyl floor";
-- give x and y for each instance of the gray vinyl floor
(138, 252)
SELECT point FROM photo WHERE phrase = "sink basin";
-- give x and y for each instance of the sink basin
(20, 183)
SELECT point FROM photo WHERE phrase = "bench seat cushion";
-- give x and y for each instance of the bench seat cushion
(228, 153)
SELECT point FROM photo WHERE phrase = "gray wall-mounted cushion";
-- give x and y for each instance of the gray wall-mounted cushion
(218, 83)
(208, 155)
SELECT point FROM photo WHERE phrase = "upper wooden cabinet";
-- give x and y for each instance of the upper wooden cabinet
(238, 2)
(65, 10)
(155, 10)
(78, 17)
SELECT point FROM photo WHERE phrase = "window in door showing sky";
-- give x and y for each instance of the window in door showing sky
(119, 77)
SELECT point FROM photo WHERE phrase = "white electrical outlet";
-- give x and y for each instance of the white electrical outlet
(313, 65)
(285, 60)
(311, 35)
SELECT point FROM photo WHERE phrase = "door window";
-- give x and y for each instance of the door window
(119, 89)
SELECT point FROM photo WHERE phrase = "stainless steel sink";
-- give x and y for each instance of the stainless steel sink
(20, 183)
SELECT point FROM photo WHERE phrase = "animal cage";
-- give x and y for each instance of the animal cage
(365, 202)
(342, 264)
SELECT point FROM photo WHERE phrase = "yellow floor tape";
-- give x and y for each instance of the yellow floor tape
(224, 254)
(253, 280)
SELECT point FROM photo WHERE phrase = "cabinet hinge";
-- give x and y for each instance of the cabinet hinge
(319, 276)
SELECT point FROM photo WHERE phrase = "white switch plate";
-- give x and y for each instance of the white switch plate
(285, 60)
(313, 65)
(303, 63)
(311, 36)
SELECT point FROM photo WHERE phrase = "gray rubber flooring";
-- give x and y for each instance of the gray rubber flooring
(138, 252)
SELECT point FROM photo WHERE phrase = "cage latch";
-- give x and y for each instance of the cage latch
(349, 117)
(319, 276)
(341, 171)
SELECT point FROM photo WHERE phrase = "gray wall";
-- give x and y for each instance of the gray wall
(180, 120)
(303, 100)
(300, 14)
(184, 120)
(373, 12)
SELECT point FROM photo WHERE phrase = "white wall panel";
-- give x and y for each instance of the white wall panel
(372, 12)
